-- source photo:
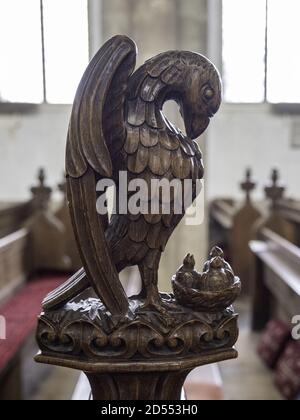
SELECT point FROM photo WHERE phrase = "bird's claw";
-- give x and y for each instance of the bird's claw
(153, 306)
(157, 307)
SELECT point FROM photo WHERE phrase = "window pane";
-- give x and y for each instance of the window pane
(66, 47)
(21, 71)
(283, 54)
(244, 50)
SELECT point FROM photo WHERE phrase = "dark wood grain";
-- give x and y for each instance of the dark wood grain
(138, 347)
(13, 215)
(117, 124)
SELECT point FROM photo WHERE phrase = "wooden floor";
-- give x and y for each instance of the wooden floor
(243, 379)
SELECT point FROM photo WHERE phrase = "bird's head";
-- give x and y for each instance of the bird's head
(201, 96)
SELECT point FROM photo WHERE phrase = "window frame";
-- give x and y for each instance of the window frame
(8, 108)
(277, 108)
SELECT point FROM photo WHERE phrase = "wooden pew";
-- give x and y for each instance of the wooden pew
(13, 215)
(290, 211)
(19, 307)
(221, 221)
(278, 218)
(13, 265)
(51, 243)
(71, 253)
(276, 273)
(231, 227)
(26, 257)
(46, 232)
(21, 312)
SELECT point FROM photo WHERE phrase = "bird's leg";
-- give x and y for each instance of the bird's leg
(141, 295)
(153, 301)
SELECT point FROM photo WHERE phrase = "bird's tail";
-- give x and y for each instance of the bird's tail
(99, 269)
(67, 291)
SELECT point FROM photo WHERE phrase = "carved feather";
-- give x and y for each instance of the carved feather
(148, 136)
(151, 88)
(181, 165)
(153, 237)
(168, 141)
(153, 116)
(132, 140)
(139, 160)
(136, 112)
(158, 64)
(138, 230)
(159, 160)
(187, 147)
(171, 75)
(152, 219)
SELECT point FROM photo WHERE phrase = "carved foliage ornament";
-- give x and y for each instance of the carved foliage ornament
(75, 333)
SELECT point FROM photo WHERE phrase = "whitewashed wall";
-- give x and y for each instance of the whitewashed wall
(250, 135)
(38, 138)
(28, 141)
(246, 135)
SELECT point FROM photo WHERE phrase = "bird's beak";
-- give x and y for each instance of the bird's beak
(195, 125)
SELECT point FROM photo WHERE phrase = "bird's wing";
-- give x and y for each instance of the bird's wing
(96, 134)
(98, 107)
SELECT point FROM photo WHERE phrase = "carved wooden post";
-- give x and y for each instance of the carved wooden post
(274, 192)
(242, 232)
(41, 193)
(141, 347)
(274, 220)
(248, 185)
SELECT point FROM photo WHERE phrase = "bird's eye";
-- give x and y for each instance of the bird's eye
(208, 93)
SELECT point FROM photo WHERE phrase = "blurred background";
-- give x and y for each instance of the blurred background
(251, 190)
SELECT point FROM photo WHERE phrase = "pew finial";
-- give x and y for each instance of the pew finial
(275, 191)
(130, 346)
(62, 186)
(41, 176)
(41, 193)
(248, 185)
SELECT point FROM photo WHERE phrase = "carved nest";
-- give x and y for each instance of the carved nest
(204, 300)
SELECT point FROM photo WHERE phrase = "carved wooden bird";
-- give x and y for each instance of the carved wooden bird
(117, 124)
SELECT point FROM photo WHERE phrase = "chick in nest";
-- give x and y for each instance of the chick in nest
(186, 274)
(218, 276)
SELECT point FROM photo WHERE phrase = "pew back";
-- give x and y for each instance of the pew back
(276, 279)
(290, 210)
(12, 216)
(231, 228)
(13, 265)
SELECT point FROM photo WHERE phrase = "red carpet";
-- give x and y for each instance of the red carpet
(21, 313)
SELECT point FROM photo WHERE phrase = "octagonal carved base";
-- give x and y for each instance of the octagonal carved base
(146, 356)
